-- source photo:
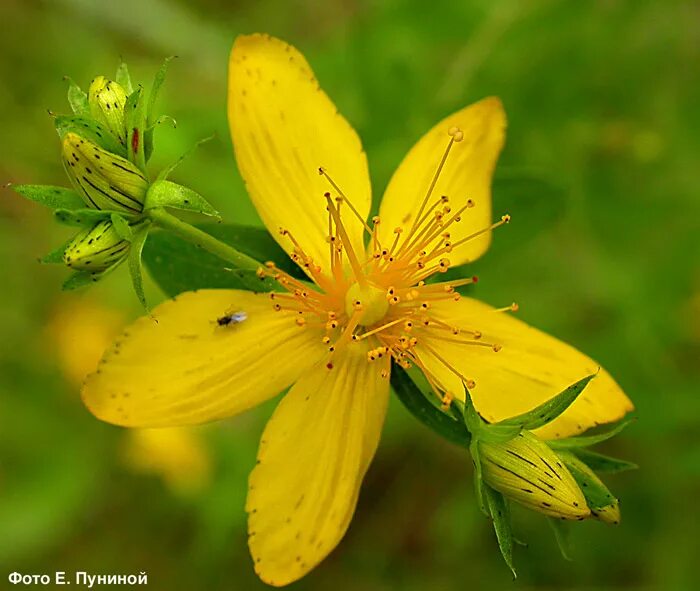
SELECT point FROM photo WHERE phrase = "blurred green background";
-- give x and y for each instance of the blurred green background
(599, 173)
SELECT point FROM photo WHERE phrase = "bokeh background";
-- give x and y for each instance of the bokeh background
(600, 174)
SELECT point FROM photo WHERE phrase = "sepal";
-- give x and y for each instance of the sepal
(168, 194)
(50, 196)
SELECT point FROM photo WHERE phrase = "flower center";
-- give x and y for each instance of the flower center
(381, 300)
(367, 299)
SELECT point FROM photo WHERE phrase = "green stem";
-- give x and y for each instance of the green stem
(163, 219)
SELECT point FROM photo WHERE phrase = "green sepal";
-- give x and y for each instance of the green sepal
(150, 119)
(91, 130)
(588, 440)
(162, 119)
(562, 534)
(163, 193)
(81, 279)
(432, 417)
(50, 196)
(55, 257)
(135, 123)
(480, 429)
(166, 172)
(596, 493)
(500, 514)
(122, 227)
(549, 410)
(77, 98)
(123, 78)
(139, 239)
(479, 484)
(82, 217)
(601, 463)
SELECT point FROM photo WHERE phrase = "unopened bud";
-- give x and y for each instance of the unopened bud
(96, 249)
(106, 100)
(526, 470)
(104, 180)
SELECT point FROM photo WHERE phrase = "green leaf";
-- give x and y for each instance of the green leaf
(416, 403)
(500, 514)
(601, 463)
(53, 197)
(562, 535)
(77, 99)
(137, 243)
(166, 172)
(588, 440)
(135, 122)
(549, 410)
(82, 217)
(123, 78)
(91, 130)
(177, 265)
(122, 227)
(163, 193)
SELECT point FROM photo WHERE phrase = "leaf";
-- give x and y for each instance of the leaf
(416, 403)
(135, 122)
(601, 463)
(122, 227)
(500, 514)
(50, 196)
(82, 217)
(562, 535)
(77, 99)
(163, 193)
(177, 265)
(90, 130)
(588, 440)
(123, 78)
(549, 410)
(137, 244)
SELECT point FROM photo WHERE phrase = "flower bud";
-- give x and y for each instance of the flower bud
(526, 470)
(103, 179)
(106, 100)
(96, 249)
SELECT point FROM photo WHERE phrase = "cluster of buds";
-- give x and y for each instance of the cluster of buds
(105, 144)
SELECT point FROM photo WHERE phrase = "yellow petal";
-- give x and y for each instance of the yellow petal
(313, 455)
(284, 127)
(183, 368)
(466, 175)
(530, 368)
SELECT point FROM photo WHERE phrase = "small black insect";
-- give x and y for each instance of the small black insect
(233, 318)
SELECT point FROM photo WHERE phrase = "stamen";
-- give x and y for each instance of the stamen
(322, 172)
(453, 139)
(352, 257)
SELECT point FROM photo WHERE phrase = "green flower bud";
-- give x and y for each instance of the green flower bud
(96, 249)
(106, 100)
(526, 470)
(103, 179)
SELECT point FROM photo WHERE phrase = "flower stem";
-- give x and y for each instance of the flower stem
(164, 220)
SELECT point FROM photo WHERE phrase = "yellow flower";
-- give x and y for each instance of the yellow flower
(333, 340)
